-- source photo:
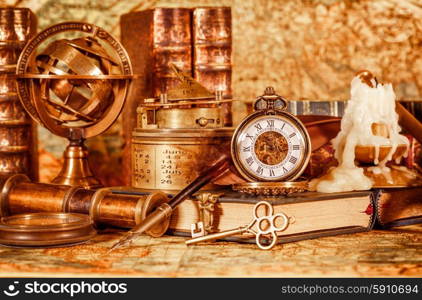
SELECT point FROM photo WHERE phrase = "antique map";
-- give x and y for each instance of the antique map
(393, 253)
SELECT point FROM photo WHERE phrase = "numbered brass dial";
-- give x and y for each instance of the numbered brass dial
(270, 144)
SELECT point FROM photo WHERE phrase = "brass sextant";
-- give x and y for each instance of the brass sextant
(189, 105)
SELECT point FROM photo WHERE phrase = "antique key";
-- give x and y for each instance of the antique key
(266, 227)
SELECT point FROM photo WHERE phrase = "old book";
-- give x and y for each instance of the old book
(153, 38)
(312, 214)
(212, 52)
(414, 107)
(399, 207)
(335, 108)
(18, 136)
(321, 108)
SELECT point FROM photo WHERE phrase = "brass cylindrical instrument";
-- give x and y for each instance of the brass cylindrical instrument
(18, 139)
(169, 159)
(178, 135)
(123, 209)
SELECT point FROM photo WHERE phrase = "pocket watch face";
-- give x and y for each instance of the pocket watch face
(270, 147)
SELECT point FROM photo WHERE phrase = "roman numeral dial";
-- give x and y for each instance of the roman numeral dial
(271, 147)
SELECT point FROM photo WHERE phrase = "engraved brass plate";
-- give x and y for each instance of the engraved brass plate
(171, 159)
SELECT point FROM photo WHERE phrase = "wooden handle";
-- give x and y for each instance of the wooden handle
(217, 169)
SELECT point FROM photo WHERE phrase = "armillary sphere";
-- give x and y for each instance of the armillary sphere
(76, 88)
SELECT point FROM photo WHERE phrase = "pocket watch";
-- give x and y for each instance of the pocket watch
(270, 145)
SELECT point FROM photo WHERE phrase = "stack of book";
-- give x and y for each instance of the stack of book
(198, 41)
(18, 143)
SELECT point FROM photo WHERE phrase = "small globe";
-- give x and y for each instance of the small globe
(76, 102)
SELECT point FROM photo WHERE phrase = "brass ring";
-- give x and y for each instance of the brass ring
(271, 188)
(95, 203)
(152, 202)
(69, 194)
(8, 184)
(38, 112)
(138, 210)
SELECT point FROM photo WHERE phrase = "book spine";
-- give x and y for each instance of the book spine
(172, 43)
(135, 34)
(212, 52)
(320, 108)
(399, 207)
(18, 139)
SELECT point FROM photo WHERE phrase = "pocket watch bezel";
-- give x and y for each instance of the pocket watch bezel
(294, 121)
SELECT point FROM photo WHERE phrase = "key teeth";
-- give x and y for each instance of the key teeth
(197, 229)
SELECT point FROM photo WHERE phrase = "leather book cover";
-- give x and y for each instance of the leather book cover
(312, 214)
(212, 52)
(18, 132)
(398, 207)
(153, 38)
(332, 108)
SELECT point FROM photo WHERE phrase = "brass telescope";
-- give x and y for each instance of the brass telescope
(106, 206)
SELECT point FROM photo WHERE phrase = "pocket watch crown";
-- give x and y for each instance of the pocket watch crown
(270, 101)
(269, 91)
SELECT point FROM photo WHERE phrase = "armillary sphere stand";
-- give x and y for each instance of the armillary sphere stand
(76, 169)
(75, 88)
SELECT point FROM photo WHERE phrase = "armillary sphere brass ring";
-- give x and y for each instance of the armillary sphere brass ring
(272, 188)
(33, 85)
(45, 229)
